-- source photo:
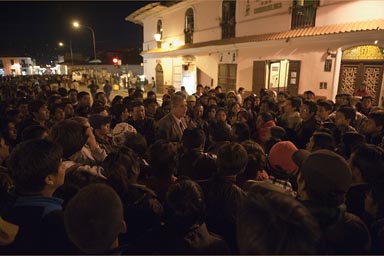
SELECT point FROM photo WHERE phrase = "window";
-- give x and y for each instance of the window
(189, 26)
(228, 23)
(159, 30)
(304, 13)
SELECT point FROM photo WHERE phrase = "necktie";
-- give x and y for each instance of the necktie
(181, 126)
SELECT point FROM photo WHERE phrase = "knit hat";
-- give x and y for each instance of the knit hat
(119, 133)
(96, 121)
(324, 171)
(191, 98)
(280, 157)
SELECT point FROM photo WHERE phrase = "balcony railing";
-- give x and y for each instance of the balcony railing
(303, 16)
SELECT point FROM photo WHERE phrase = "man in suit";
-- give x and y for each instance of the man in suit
(171, 126)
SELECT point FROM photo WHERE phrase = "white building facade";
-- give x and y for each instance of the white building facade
(16, 66)
(326, 46)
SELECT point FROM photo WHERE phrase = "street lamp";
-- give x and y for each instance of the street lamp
(61, 44)
(76, 25)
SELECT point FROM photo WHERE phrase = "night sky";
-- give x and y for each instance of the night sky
(35, 28)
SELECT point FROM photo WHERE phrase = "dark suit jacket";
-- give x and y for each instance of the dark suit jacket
(168, 128)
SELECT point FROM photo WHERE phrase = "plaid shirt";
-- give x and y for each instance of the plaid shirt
(286, 185)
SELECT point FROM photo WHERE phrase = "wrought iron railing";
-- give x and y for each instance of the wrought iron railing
(303, 16)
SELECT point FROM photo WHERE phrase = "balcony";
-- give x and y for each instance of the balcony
(303, 16)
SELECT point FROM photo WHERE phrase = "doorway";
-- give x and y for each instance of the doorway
(159, 79)
(362, 64)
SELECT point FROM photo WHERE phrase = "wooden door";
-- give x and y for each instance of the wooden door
(227, 76)
(258, 80)
(353, 74)
(293, 77)
(159, 79)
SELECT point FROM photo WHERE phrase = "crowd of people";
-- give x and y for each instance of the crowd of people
(209, 173)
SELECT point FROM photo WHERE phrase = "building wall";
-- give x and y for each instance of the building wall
(17, 65)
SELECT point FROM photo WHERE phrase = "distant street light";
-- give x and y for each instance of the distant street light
(76, 25)
(61, 44)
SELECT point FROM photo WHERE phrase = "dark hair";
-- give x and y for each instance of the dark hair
(81, 94)
(33, 132)
(162, 157)
(266, 116)
(286, 225)
(136, 142)
(348, 112)
(295, 102)
(257, 161)
(232, 159)
(70, 134)
(326, 104)
(185, 205)
(35, 105)
(118, 109)
(323, 140)
(369, 159)
(121, 168)
(94, 218)
(241, 132)
(31, 162)
(137, 103)
(193, 138)
(377, 117)
(312, 106)
(219, 131)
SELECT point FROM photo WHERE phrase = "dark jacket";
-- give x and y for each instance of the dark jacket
(34, 225)
(196, 164)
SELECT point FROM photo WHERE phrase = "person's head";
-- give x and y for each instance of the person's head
(219, 131)
(198, 111)
(193, 138)
(120, 111)
(211, 113)
(34, 132)
(242, 116)
(70, 135)
(221, 115)
(282, 97)
(35, 167)
(199, 89)
(309, 95)
(367, 164)
(292, 104)
(171, 90)
(324, 178)
(240, 132)
(184, 205)
(324, 109)
(72, 96)
(178, 106)
(345, 116)
(307, 110)
(83, 99)
(121, 168)
(218, 90)
(94, 218)
(136, 142)
(39, 110)
(257, 160)
(280, 159)
(367, 101)
(162, 157)
(138, 111)
(287, 227)
(151, 95)
(232, 158)
(263, 118)
(150, 106)
(374, 124)
(101, 124)
(191, 101)
(212, 100)
(321, 140)
(241, 90)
